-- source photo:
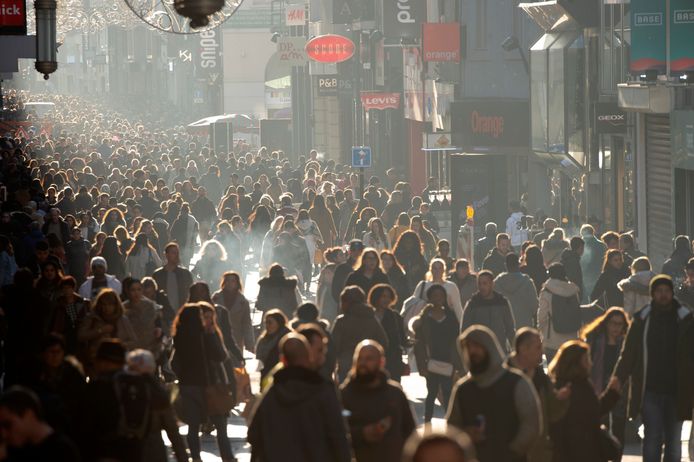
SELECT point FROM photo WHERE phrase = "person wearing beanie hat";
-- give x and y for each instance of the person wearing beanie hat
(657, 358)
(99, 280)
(496, 405)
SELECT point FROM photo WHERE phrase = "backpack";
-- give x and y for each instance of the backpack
(134, 396)
(566, 314)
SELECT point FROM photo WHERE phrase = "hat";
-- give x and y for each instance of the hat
(356, 244)
(111, 350)
(659, 280)
(98, 261)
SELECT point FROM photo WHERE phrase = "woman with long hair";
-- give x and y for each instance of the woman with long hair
(146, 227)
(323, 218)
(198, 362)
(408, 251)
(258, 224)
(383, 298)
(361, 226)
(113, 256)
(402, 225)
(98, 246)
(328, 307)
(606, 290)
(376, 237)
(437, 276)
(577, 435)
(212, 263)
(368, 272)
(267, 347)
(425, 236)
(605, 335)
(535, 267)
(106, 319)
(230, 295)
(49, 280)
(143, 259)
(396, 275)
(269, 241)
(184, 231)
(113, 218)
(435, 331)
(308, 229)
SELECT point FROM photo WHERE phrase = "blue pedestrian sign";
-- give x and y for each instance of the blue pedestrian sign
(361, 156)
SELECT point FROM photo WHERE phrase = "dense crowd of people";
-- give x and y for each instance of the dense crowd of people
(125, 248)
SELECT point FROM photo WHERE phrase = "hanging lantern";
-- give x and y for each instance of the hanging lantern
(46, 37)
(198, 10)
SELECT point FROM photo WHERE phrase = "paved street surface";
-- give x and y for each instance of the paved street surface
(414, 387)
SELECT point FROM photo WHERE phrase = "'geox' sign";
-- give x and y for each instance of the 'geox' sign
(609, 118)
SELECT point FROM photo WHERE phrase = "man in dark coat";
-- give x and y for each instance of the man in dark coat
(278, 291)
(496, 258)
(77, 255)
(298, 418)
(485, 244)
(657, 356)
(380, 419)
(173, 278)
(343, 270)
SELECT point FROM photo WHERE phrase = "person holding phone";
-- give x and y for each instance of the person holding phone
(379, 415)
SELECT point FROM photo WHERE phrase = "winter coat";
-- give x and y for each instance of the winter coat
(572, 264)
(633, 362)
(198, 359)
(374, 241)
(550, 338)
(342, 272)
(239, 318)
(359, 279)
(136, 263)
(537, 274)
(467, 287)
(520, 292)
(514, 230)
(90, 333)
(267, 350)
(495, 314)
(636, 291)
(483, 246)
(552, 249)
(324, 297)
(144, 317)
(685, 295)
(368, 405)
(513, 420)
(591, 261)
(298, 419)
(415, 267)
(674, 266)
(63, 324)
(112, 282)
(326, 225)
(282, 293)
(452, 295)
(184, 278)
(394, 328)
(398, 281)
(395, 232)
(357, 323)
(576, 436)
(606, 291)
(495, 262)
(435, 339)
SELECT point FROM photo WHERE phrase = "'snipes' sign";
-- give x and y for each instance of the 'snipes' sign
(13, 20)
(330, 48)
(482, 125)
(441, 42)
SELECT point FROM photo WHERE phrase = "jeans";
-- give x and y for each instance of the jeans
(661, 427)
(435, 383)
(220, 424)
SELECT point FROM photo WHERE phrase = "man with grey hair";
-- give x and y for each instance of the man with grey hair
(99, 280)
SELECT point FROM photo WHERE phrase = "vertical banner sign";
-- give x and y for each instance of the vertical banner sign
(647, 35)
(682, 35)
(441, 42)
(209, 79)
(404, 18)
(13, 17)
(413, 84)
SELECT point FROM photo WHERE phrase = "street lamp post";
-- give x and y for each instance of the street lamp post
(46, 37)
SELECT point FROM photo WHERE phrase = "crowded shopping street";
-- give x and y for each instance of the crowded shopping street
(346, 231)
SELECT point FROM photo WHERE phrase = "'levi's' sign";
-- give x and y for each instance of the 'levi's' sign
(380, 101)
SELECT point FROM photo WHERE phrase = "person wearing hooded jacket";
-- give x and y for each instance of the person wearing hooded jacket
(490, 309)
(635, 287)
(520, 292)
(278, 291)
(592, 258)
(571, 259)
(674, 266)
(557, 284)
(356, 323)
(496, 405)
(298, 418)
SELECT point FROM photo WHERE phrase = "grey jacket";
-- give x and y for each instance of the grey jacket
(520, 292)
(494, 314)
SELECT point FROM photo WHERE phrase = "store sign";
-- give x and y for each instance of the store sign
(379, 101)
(404, 18)
(441, 42)
(481, 125)
(649, 35)
(295, 15)
(330, 48)
(329, 85)
(348, 11)
(609, 118)
(13, 19)
(290, 50)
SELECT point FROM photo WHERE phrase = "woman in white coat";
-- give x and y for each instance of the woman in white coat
(142, 259)
(636, 287)
(436, 275)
